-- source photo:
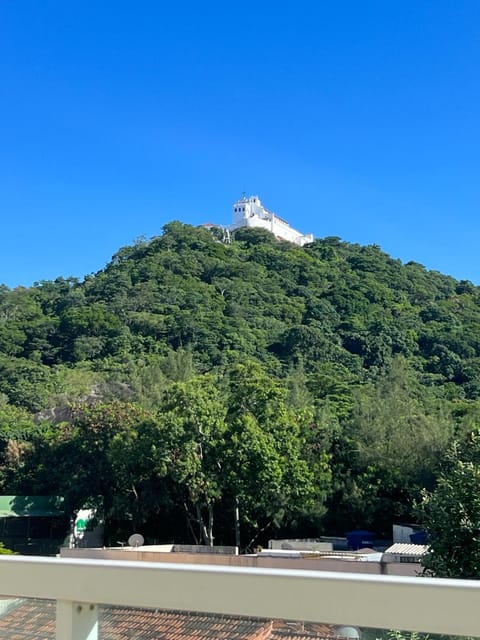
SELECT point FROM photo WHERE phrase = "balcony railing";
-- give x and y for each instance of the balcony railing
(414, 604)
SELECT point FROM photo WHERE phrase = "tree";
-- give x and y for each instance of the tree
(266, 454)
(451, 515)
(192, 416)
(76, 459)
(389, 450)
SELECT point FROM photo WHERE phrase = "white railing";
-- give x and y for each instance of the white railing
(390, 602)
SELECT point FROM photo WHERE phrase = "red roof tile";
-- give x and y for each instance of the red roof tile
(35, 620)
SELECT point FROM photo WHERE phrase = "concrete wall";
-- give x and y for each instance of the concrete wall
(321, 563)
(300, 545)
(402, 533)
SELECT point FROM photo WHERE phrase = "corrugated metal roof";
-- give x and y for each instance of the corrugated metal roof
(15, 506)
(407, 549)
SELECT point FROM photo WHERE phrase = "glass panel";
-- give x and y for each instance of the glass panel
(27, 619)
(155, 624)
(33, 619)
(397, 634)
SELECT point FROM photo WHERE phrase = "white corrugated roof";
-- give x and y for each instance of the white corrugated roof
(407, 549)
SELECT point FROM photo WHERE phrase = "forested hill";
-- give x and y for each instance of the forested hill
(370, 365)
(344, 311)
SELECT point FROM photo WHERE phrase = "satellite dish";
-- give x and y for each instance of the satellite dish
(136, 540)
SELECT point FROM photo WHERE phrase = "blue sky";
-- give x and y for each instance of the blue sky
(354, 119)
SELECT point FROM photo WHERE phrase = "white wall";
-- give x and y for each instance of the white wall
(249, 212)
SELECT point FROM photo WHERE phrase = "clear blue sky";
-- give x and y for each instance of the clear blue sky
(354, 119)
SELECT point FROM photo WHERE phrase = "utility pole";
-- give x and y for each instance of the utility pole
(237, 524)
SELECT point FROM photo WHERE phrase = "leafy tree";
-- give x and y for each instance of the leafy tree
(146, 380)
(25, 383)
(451, 515)
(74, 459)
(16, 428)
(389, 450)
(178, 365)
(265, 457)
(192, 415)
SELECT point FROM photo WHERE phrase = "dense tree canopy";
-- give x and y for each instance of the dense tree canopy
(315, 388)
(451, 514)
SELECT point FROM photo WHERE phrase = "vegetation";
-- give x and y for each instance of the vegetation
(451, 514)
(317, 388)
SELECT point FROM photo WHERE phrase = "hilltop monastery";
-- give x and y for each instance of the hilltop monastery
(249, 212)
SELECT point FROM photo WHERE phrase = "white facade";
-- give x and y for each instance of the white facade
(249, 212)
(87, 530)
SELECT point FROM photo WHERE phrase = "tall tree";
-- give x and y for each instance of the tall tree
(390, 449)
(451, 515)
(192, 416)
(265, 455)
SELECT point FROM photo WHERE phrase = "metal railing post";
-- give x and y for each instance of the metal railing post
(76, 621)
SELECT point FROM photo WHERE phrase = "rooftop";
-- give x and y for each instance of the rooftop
(35, 619)
(407, 549)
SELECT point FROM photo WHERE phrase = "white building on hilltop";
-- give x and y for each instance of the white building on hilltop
(249, 212)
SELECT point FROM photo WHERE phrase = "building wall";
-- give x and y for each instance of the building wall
(402, 533)
(316, 564)
(300, 545)
(249, 212)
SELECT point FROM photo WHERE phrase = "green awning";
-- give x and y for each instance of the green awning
(17, 506)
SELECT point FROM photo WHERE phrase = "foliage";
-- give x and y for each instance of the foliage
(193, 428)
(266, 457)
(393, 441)
(451, 515)
(317, 386)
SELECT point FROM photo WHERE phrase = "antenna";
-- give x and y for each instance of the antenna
(136, 540)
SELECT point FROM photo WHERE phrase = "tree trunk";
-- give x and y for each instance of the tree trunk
(210, 525)
(206, 529)
(189, 523)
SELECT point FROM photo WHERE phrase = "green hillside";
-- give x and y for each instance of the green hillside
(318, 387)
